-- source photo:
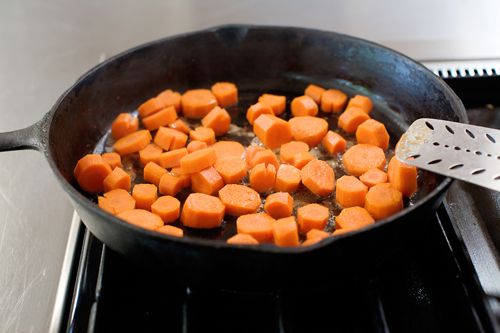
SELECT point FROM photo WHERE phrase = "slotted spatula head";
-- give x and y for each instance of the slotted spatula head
(462, 151)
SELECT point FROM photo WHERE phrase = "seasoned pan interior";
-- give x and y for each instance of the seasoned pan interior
(258, 60)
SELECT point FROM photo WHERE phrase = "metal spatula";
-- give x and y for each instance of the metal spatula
(466, 152)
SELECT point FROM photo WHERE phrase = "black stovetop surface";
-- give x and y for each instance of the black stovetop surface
(430, 286)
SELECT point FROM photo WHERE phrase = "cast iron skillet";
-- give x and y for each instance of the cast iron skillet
(258, 59)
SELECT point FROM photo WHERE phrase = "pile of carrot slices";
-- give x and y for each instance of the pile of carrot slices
(225, 178)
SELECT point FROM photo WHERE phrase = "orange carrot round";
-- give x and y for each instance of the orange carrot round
(116, 201)
(124, 125)
(160, 118)
(170, 139)
(403, 177)
(287, 178)
(272, 131)
(145, 195)
(153, 173)
(180, 125)
(207, 181)
(350, 191)
(171, 159)
(228, 149)
(373, 177)
(112, 159)
(132, 143)
(239, 199)
(90, 172)
(275, 102)
(166, 207)
(362, 157)
(310, 130)
(150, 153)
(170, 98)
(383, 200)
(312, 216)
(279, 205)
(333, 100)
(197, 103)
(171, 231)
(315, 92)
(264, 156)
(204, 134)
(243, 239)
(351, 118)
(353, 218)
(318, 177)
(198, 160)
(259, 226)
(374, 133)
(218, 120)
(226, 93)
(290, 149)
(141, 218)
(285, 232)
(262, 177)
(333, 143)
(195, 145)
(255, 110)
(362, 102)
(232, 169)
(171, 184)
(149, 107)
(202, 211)
(301, 159)
(117, 179)
(304, 106)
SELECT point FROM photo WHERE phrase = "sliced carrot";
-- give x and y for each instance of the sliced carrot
(149, 107)
(170, 139)
(262, 177)
(197, 103)
(275, 102)
(318, 177)
(116, 201)
(202, 211)
(353, 218)
(232, 169)
(338, 232)
(167, 207)
(333, 143)
(259, 226)
(207, 181)
(279, 205)
(204, 134)
(251, 151)
(153, 173)
(145, 195)
(228, 149)
(315, 92)
(112, 159)
(304, 106)
(180, 125)
(333, 100)
(150, 153)
(185, 178)
(373, 177)
(312, 216)
(132, 143)
(351, 118)
(124, 125)
(116, 179)
(310, 130)
(255, 110)
(362, 102)
(317, 234)
(218, 120)
(374, 133)
(285, 232)
(290, 149)
(350, 191)
(264, 156)
(170, 98)
(198, 160)
(242, 239)
(272, 131)
(196, 145)
(362, 157)
(287, 178)
(171, 231)
(171, 159)
(239, 199)
(226, 93)
(90, 171)
(171, 185)
(141, 218)
(382, 200)
(301, 159)
(403, 177)
(160, 118)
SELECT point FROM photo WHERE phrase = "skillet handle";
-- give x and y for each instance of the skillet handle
(32, 137)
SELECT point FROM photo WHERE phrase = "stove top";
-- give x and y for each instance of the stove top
(445, 282)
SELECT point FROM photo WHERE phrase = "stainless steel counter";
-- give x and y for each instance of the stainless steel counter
(45, 45)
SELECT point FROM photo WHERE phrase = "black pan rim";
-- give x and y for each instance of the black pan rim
(217, 244)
